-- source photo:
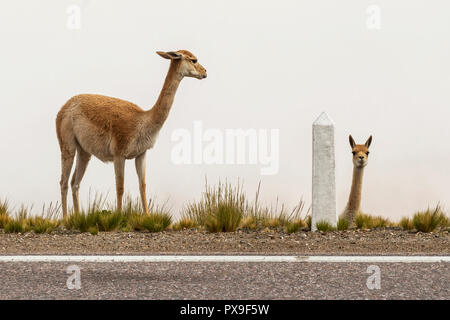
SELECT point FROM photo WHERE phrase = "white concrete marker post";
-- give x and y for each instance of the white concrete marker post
(323, 173)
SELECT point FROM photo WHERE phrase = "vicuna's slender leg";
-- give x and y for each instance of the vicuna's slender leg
(119, 168)
(66, 165)
(82, 162)
(140, 169)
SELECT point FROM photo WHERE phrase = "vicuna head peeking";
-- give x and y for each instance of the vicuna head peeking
(360, 152)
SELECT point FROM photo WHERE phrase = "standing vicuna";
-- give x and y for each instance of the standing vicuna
(115, 130)
(360, 159)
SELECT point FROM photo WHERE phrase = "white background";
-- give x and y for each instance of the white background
(271, 64)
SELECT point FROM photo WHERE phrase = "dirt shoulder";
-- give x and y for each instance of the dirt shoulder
(370, 242)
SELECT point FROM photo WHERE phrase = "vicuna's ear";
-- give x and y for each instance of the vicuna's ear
(169, 55)
(368, 142)
(352, 142)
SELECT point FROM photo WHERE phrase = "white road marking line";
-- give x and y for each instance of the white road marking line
(224, 258)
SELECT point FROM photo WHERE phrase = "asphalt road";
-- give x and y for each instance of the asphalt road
(224, 280)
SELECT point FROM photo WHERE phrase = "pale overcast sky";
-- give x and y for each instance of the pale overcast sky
(271, 65)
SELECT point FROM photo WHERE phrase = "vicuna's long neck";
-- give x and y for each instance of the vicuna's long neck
(354, 200)
(158, 114)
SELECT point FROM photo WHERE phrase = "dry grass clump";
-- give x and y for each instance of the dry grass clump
(153, 222)
(308, 222)
(183, 224)
(366, 221)
(295, 226)
(220, 209)
(274, 216)
(249, 222)
(96, 218)
(95, 221)
(406, 223)
(225, 208)
(131, 218)
(4, 206)
(224, 218)
(4, 213)
(41, 225)
(324, 226)
(428, 221)
(23, 221)
(342, 224)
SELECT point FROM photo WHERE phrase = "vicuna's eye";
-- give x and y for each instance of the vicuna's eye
(194, 61)
(353, 152)
(367, 153)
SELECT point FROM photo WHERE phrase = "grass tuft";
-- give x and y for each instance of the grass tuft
(429, 220)
(273, 216)
(324, 226)
(249, 222)
(224, 208)
(4, 220)
(4, 213)
(111, 221)
(365, 221)
(295, 226)
(24, 222)
(184, 223)
(309, 222)
(41, 225)
(81, 221)
(225, 218)
(221, 208)
(342, 224)
(406, 223)
(131, 218)
(93, 230)
(4, 207)
(14, 226)
(154, 222)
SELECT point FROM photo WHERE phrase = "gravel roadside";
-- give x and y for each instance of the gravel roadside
(389, 241)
